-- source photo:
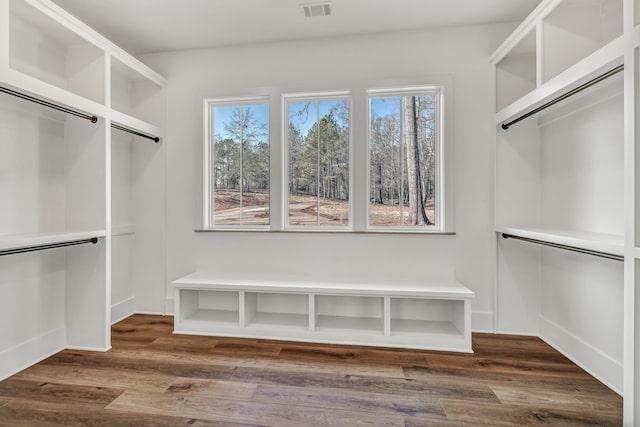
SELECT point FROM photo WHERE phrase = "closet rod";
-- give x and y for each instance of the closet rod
(566, 95)
(93, 240)
(122, 128)
(92, 119)
(566, 247)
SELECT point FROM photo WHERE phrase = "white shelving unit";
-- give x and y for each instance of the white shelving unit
(574, 29)
(57, 183)
(564, 183)
(426, 316)
(516, 73)
(45, 49)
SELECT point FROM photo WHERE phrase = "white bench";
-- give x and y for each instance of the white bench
(435, 315)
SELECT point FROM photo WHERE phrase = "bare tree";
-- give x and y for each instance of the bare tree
(417, 212)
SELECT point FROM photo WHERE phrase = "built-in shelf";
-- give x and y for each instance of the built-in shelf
(136, 95)
(43, 48)
(210, 306)
(350, 325)
(123, 230)
(562, 180)
(430, 315)
(516, 72)
(575, 29)
(562, 169)
(411, 316)
(213, 316)
(281, 310)
(600, 242)
(349, 314)
(55, 74)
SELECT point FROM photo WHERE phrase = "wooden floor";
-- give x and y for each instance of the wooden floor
(154, 378)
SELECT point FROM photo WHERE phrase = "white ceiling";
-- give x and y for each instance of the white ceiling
(145, 26)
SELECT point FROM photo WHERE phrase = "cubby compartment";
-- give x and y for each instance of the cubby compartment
(560, 174)
(282, 311)
(349, 314)
(218, 307)
(136, 95)
(419, 317)
(516, 72)
(53, 171)
(42, 48)
(575, 29)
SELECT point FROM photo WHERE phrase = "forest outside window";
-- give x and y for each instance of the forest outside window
(317, 145)
(237, 153)
(405, 146)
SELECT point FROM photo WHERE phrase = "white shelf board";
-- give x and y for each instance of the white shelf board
(16, 241)
(133, 123)
(345, 324)
(123, 230)
(48, 92)
(214, 316)
(608, 243)
(422, 327)
(281, 320)
(430, 288)
(602, 60)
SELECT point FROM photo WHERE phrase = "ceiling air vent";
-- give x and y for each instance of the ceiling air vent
(312, 10)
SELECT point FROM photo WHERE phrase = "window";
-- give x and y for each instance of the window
(237, 169)
(317, 140)
(404, 151)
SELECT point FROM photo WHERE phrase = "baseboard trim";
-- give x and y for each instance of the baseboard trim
(169, 306)
(84, 348)
(603, 367)
(482, 321)
(123, 309)
(32, 351)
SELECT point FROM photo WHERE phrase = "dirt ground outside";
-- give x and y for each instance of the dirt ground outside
(303, 210)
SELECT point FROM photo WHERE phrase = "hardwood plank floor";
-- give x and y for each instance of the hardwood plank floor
(154, 378)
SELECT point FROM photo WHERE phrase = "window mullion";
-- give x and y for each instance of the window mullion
(318, 165)
(402, 163)
(241, 166)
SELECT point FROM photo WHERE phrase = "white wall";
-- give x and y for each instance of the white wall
(457, 55)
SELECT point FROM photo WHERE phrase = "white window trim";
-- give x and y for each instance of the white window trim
(208, 213)
(313, 96)
(440, 226)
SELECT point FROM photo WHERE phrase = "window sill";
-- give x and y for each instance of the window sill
(298, 231)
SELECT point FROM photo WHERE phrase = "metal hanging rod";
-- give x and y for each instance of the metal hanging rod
(92, 240)
(566, 95)
(566, 247)
(92, 119)
(122, 128)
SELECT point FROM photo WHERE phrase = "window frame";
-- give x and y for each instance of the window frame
(439, 212)
(318, 97)
(208, 161)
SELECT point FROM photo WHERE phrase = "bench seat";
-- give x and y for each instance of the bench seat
(434, 314)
